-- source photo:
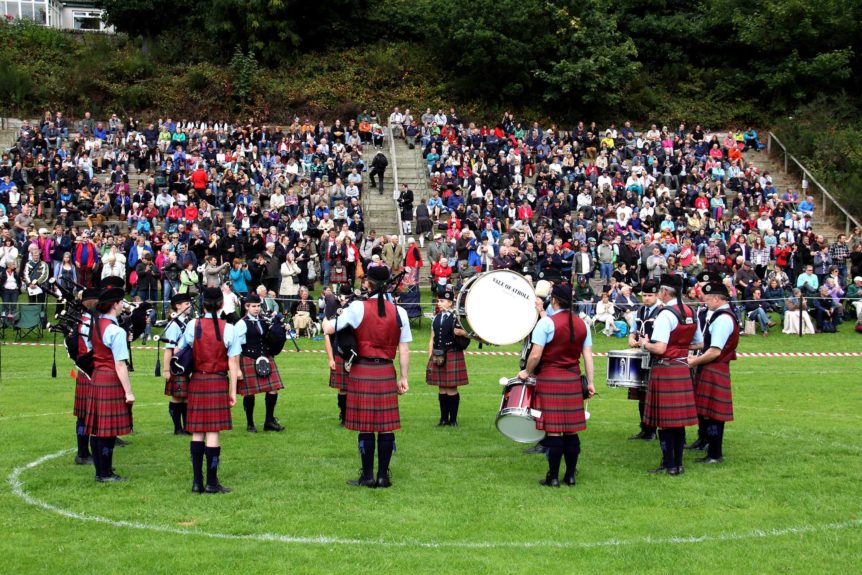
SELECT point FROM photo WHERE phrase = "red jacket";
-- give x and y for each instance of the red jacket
(199, 179)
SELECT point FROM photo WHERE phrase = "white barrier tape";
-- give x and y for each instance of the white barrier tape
(744, 355)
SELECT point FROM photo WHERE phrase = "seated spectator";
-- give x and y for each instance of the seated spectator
(756, 309)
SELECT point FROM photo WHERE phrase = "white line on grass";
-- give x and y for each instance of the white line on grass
(69, 412)
(17, 486)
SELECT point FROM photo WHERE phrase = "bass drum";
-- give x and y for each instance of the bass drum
(497, 307)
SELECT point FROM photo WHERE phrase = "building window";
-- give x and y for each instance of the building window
(87, 20)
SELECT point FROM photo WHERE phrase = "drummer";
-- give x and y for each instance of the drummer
(549, 278)
(702, 280)
(643, 331)
(446, 366)
(670, 402)
(712, 381)
(559, 340)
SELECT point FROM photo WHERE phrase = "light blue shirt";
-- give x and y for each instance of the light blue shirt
(172, 333)
(231, 342)
(720, 329)
(667, 322)
(84, 331)
(241, 328)
(543, 333)
(353, 314)
(115, 338)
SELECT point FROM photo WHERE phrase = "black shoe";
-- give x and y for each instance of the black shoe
(649, 437)
(181, 432)
(218, 488)
(251, 429)
(383, 481)
(659, 470)
(640, 435)
(536, 449)
(549, 481)
(709, 460)
(273, 425)
(453, 424)
(362, 482)
(569, 481)
(197, 488)
(121, 442)
(83, 460)
(112, 478)
(675, 471)
(698, 445)
(442, 423)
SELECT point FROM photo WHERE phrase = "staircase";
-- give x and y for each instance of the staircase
(782, 181)
(381, 211)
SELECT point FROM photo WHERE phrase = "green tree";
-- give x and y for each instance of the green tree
(243, 71)
(149, 18)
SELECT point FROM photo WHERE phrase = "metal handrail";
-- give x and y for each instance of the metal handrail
(397, 188)
(807, 173)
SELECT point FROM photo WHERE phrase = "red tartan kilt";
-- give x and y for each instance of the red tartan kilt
(177, 386)
(637, 394)
(251, 383)
(208, 403)
(106, 412)
(559, 396)
(337, 376)
(712, 392)
(82, 390)
(372, 398)
(670, 397)
(453, 373)
(338, 278)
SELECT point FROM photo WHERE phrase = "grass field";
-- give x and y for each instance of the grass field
(466, 500)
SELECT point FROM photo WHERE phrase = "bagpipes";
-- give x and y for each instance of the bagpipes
(277, 333)
(181, 320)
(344, 341)
(69, 321)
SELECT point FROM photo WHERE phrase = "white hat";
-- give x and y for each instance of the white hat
(411, 240)
(857, 279)
(437, 236)
(43, 231)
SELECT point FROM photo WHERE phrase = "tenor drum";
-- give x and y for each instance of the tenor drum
(516, 420)
(497, 307)
(628, 368)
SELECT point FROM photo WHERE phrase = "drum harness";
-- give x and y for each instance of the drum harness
(679, 314)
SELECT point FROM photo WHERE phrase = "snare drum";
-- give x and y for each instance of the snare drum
(628, 368)
(497, 307)
(516, 420)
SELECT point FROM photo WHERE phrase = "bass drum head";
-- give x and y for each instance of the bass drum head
(500, 306)
(520, 427)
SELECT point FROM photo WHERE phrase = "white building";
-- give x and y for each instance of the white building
(72, 15)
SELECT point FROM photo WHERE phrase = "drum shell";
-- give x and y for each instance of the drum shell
(516, 420)
(502, 304)
(626, 369)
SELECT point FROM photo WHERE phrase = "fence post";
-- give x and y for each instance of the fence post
(785, 160)
(768, 143)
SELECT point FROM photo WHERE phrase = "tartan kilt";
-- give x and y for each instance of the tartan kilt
(372, 398)
(177, 386)
(670, 397)
(106, 412)
(251, 383)
(712, 393)
(337, 376)
(559, 396)
(637, 394)
(338, 278)
(208, 403)
(453, 373)
(82, 390)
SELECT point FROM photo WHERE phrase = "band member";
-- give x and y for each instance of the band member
(212, 388)
(643, 331)
(712, 380)
(258, 371)
(372, 388)
(670, 395)
(108, 410)
(703, 279)
(337, 373)
(89, 298)
(446, 366)
(177, 386)
(559, 341)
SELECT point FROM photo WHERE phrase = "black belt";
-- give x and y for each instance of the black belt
(224, 373)
(373, 360)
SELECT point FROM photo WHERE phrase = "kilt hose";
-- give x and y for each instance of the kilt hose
(637, 393)
(372, 398)
(251, 383)
(670, 397)
(177, 386)
(453, 373)
(106, 412)
(208, 403)
(82, 391)
(559, 396)
(337, 376)
(712, 393)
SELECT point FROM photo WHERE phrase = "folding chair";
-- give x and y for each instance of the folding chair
(410, 300)
(28, 320)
